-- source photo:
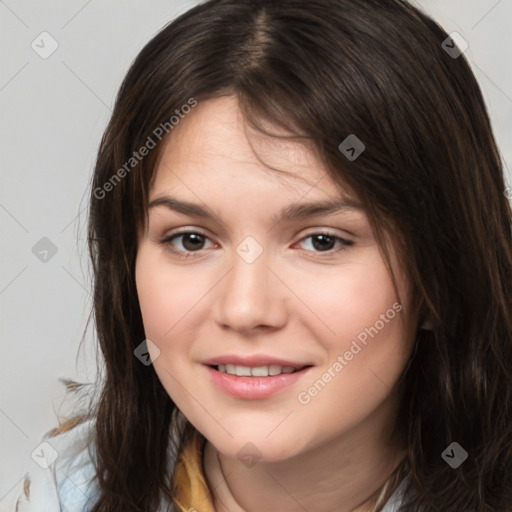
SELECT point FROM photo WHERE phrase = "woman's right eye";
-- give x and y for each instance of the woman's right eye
(190, 240)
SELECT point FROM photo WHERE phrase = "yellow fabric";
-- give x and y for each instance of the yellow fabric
(193, 493)
(192, 489)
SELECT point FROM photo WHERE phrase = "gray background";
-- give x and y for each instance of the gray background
(53, 112)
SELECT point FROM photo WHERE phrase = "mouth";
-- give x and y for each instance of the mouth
(272, 370)
(255, 382)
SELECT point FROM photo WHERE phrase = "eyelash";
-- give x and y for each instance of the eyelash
(180, 254)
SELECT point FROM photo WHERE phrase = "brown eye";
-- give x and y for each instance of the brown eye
(190, 242)
(325, 242)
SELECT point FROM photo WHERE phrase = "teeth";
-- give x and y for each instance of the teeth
(260, 371)
(274, 369)
(256, 371)
(242, 371)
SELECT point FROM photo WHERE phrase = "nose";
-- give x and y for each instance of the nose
(251, 296)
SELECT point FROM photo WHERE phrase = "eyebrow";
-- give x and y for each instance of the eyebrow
(294, 211)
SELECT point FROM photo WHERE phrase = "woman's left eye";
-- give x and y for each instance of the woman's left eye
(326, 241)
(193, 241)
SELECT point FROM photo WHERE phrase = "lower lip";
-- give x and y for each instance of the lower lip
(254, 388)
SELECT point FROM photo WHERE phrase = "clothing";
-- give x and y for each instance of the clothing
(69, 484)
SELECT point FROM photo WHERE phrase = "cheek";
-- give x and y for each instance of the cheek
(350, 300)
(361, 327)
(154, 302)
(165, 295)
(165, 299)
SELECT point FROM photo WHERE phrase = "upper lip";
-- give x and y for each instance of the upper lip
(252, 361)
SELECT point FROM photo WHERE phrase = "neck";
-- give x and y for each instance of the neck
(344, 474)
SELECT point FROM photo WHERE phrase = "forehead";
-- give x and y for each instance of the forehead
(214, 145)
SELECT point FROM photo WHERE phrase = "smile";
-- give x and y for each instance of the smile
(254, 383)
(256, 371)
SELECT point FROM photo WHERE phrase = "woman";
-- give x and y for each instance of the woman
(341, 340)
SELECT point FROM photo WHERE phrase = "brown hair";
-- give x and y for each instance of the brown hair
(431, 181)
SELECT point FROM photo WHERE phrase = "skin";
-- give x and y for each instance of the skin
(295, 301)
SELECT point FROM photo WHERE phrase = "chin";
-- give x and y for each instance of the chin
(251, 449)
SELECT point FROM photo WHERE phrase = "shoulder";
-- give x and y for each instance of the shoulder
(396, 500)
(63, 474)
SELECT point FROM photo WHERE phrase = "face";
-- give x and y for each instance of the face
(233, 282)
